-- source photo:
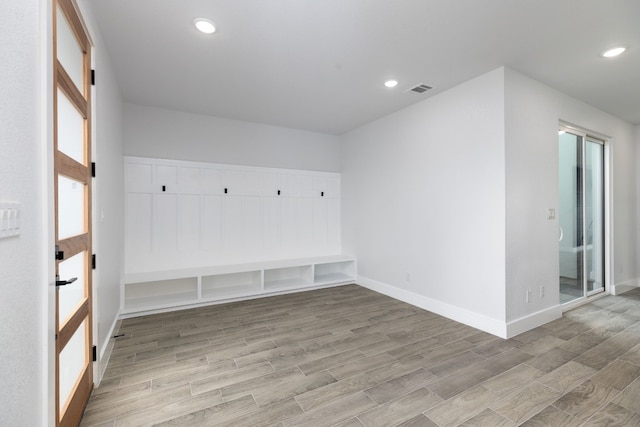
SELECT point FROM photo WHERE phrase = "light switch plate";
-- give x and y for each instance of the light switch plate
(9, 219)
(551, 213)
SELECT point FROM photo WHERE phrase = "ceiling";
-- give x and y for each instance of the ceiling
(320, 65)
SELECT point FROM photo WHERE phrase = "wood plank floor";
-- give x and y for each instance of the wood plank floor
(350, 357)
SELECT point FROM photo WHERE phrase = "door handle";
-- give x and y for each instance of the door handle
(65, 282)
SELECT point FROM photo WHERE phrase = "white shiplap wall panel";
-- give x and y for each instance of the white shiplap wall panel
(182, 214)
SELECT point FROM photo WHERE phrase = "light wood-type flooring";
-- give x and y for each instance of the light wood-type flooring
(348, 357)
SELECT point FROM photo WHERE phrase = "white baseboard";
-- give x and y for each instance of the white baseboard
(493, 326)
(620, 288)
(533, 320)
(475, 320)
(106, 349)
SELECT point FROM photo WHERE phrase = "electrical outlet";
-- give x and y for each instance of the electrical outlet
(528, 297)
(541, 291)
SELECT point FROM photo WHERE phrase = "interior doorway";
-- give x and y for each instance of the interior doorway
(581, 215)
(72, 200)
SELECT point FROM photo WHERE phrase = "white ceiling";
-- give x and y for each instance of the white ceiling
(320, 65)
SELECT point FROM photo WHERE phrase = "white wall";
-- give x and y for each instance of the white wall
(445, 202)
(423, 194)
(108, 208)
(167, 134)
(533, 112)
(23, 172)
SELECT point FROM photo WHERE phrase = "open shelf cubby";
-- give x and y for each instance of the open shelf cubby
(332, 272)
(160, 293)
(231, 284)
(287, 277)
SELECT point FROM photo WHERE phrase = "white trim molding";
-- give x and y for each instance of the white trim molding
(475, 320)
(620, 288)
(105, 350)
(533, 320)
(493, 326)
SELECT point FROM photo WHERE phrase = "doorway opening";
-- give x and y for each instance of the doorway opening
(582, 214)
(72, 212)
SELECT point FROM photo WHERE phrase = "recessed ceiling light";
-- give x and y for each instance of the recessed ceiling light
(391, 83)
(611, 53)
(204, 25)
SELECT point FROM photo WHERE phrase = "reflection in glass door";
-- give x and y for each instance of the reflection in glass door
(581, 215)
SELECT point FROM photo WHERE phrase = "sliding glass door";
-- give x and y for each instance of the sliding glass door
(581, 215)
(594, 215)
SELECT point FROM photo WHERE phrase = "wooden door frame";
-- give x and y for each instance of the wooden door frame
(71, 246)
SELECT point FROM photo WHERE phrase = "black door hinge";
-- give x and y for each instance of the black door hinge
(93, 261)
(95, 353)
(93, 77)
(93, 169)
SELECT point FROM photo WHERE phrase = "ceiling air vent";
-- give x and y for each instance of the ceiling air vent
(421, 88)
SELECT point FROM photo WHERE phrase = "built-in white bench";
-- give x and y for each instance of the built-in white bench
(160, 291)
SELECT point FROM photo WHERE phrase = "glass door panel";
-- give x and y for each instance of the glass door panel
(71, 296)
(581, 216)
(69, 52)
(71, 207)
(594, 215)
(71, 132)
(73, 361)
(570, 160)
